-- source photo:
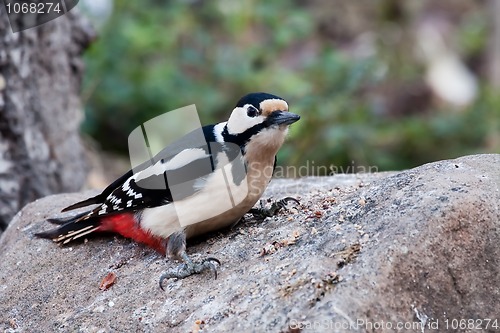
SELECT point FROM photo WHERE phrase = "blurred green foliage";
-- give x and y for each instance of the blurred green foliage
(155, 56)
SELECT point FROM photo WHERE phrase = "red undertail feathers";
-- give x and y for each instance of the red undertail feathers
(125, 224)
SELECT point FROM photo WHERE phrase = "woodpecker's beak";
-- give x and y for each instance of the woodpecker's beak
(283, 118)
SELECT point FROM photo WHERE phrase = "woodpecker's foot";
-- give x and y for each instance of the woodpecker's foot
(189, 268)
(276, 206)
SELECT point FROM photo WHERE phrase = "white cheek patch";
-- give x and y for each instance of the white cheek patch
(239, 121)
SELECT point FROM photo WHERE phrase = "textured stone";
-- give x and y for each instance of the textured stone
(417, 247)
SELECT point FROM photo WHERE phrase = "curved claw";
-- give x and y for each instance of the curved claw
(274, 209)
(284, 202)
(185, 270)
(166, 275)
(290, 199)
(212, 266)
(212, 259)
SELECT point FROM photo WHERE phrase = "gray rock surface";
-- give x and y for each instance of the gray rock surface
(361, 253)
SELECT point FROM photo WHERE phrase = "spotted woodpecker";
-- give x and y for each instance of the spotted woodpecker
(190, 189)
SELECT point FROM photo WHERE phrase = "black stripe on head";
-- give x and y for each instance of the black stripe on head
(241, 139)
(255, 99)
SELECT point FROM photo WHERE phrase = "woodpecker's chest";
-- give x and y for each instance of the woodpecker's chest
(225, 196)
(225, 205)
(238, 199)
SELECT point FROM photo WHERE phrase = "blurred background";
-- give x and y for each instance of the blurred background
(391, 84)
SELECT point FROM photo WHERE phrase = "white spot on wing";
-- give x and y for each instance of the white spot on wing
(136, 195)
(126, 185)
(103, 210)
(181, 159)
(114, 199)
(128, 190)
(185, 157)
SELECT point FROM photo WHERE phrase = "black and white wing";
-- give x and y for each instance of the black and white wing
(189, 140)
(167, 178)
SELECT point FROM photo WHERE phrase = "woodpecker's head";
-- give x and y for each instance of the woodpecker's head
(260, 120)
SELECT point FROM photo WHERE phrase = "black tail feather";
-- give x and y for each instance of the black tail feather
(64, 220)
(100, 198)
(90, 201)
(71, 228)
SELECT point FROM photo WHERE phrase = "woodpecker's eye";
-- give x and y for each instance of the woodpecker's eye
(252, 111)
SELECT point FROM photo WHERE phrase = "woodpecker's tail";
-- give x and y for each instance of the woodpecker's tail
(71, 228)
(64, 220)
(87, 202)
